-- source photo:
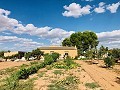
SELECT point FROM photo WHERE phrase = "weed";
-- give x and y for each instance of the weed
(69, 83)
(41, 74)
(92, 85)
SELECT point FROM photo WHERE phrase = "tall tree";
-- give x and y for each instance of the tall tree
(66, 42)
(84, 41)
(37, 53)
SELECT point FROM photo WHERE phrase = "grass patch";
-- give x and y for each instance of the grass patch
(7, 71)
(41, 74)
(69, 83)
(92, 85)
(56, 72)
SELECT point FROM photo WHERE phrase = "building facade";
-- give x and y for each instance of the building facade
(20, 54)
(63, 51)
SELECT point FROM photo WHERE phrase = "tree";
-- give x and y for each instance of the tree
(109, 61)
(66, 42)
(102, 51)
(37, 53)
(27, 55)
(2, 54)
(55, 56)
(84, 41)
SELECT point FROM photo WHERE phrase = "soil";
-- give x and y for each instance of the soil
(4, 65)
(104, 77)
(49, 76)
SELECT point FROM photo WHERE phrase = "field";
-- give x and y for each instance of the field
(79, 76)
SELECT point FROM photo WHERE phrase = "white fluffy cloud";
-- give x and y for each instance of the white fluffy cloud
(75, 10)
(110, 39)
(21, 43)
(46, 32)
(113, 8)
(101, 8)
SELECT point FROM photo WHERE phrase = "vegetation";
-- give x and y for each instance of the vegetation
(37, 53)
(109, 61)
(92, 85)
(69, 83)
(84, 41)
(55, 56)
(67, 63)
(27, 55)
(2, 54)
(48, 59)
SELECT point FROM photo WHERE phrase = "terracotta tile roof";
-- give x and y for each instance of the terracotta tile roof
(57, 48)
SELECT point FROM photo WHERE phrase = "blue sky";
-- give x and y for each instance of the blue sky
(28, 24)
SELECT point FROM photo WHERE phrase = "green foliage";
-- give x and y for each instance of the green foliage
(48, 59)
(48, 67)
(82, 40)
(2, 54)
(41, 74)
(27, 55)
(11, 83)
(109, 61)
(55, 56)
(116, 53)
(35, 62)
(67, 42)
(56, 72)
(69, 83)
(22, 73)
(37, 53)
(59, 65)
(7, 71)
(92, 85)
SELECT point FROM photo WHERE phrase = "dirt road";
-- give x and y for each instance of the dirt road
(105, 78)
(4, 65)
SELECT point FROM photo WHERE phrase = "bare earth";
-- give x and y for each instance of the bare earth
(4, 65)
(105, 78)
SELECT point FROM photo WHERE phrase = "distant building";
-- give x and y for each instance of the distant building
(20, 54)
(63, 51)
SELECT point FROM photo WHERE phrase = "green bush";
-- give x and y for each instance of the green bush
(92, 85)
(32, 69)
(55, 56)
(48, 59)
(68, 61)
(109, 61)
(23, 73)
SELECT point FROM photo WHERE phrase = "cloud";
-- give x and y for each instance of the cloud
(110, 39)
(21, 43)
(75, 10)
(15, 26)
(113, 8)
(101, 8)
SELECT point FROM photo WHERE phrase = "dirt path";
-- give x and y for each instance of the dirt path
(4, 65)
(105, 78)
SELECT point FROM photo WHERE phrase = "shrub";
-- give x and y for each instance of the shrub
(32, 69)
(55, 56)
(69, 83)
(11, 83)
(68, 61)
(22, 73)
(109, 61)
(92, 85)
(48, 59)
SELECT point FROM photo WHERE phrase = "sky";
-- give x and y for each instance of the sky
(28, 24)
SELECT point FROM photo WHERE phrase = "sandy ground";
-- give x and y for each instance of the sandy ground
(105, 78)
(43, 82)
(4, 65)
